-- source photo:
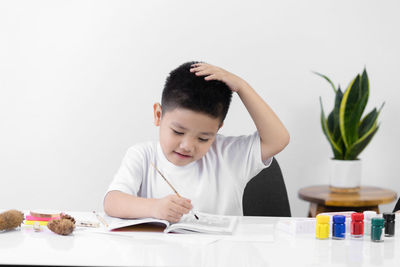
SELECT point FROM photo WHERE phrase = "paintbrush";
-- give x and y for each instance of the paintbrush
(101, 219)
(170, 185)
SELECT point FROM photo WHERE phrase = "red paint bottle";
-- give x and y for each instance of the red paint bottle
(357, 225)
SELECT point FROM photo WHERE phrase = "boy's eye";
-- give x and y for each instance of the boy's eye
(176, 132)
(203, 140)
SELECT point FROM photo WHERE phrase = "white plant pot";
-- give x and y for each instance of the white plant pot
(345, 175)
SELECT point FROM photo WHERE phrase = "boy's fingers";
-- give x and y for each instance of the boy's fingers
(197, 69)
(198, 64)
(172, 218)
(202, 73)
(201, 69)
(182, 207)
(177, 212)
(175, 220)
(181, 200)
(194, 69)
(185, 203)
(210, 77)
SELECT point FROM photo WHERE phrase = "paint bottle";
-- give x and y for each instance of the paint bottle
(377, 231)
(368, 215)
(339, 227)
(357, 225)
(322, 227)
(389, 223)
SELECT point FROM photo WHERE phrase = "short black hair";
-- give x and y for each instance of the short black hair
(183, 89)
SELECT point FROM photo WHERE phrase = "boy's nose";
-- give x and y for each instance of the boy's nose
(187, 144)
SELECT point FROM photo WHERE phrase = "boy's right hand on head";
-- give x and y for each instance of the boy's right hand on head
(172, 207)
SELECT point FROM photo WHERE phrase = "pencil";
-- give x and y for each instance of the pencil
(170, 185)
(101, 219)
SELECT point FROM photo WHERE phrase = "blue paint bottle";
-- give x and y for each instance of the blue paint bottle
(339, 227)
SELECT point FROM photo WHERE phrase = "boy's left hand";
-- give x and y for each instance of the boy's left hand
(235, 83)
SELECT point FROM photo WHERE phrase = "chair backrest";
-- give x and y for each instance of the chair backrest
(397, 207)
(265, 194)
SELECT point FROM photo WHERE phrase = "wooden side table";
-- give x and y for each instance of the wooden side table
(323, 200)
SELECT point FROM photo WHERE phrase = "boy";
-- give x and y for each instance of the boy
(208, 170)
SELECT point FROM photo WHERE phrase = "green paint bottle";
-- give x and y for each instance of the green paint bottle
(377, 229)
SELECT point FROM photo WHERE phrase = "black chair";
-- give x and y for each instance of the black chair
(397, 207)
(265, 194)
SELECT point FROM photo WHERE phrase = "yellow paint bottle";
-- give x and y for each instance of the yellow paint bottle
(322, 227)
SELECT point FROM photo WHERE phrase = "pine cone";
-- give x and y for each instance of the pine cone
(10, 219)
(61, 226)
(68, 217)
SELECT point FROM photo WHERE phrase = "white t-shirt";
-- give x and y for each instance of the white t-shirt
(214, 183)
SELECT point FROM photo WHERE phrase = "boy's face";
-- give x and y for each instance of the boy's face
(185, 135)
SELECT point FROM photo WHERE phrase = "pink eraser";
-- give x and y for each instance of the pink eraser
(32, 218)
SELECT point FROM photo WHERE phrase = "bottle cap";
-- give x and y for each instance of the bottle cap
(369, 214)
(322, 219)
(378, 221)
(339, 218)
(357, 216)
(389, 216)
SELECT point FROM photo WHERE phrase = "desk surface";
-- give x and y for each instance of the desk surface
(367, 196)
(257, 242)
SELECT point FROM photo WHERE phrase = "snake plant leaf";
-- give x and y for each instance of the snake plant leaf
(335, 137)
(337, 151)
(353, 152)
(337, 134)
(346, 124)
(353, 104)
(328, 80)
(365, 86)
(333, 118)
(368, 122)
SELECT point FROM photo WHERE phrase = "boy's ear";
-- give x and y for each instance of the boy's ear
(220, 126)
(157, 113)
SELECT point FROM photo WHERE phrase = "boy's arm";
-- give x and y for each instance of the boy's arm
(273, 135)
(122, 205)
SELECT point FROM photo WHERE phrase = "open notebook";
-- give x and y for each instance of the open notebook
(207, 223)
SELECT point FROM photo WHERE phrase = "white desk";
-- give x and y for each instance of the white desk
(260, 244)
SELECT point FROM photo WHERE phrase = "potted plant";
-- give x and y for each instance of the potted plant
(348, 132)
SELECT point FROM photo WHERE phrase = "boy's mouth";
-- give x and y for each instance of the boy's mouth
(183, 156)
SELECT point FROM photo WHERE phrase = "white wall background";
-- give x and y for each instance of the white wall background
(78, 80)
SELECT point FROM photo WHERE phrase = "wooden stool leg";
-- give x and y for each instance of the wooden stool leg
(315, 209)
(312, 209)
(376, 209)
(321, 208)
